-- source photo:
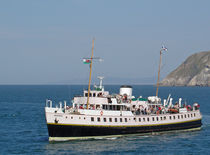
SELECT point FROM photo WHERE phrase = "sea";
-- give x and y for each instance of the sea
(23, 128)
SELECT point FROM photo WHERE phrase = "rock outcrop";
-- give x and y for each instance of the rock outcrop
(194, 71)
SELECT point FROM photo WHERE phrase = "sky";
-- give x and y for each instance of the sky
(43, 42)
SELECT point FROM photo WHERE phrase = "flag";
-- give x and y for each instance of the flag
(164, 48)
(86, 61)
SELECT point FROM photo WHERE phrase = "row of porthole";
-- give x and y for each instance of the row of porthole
(143, 119)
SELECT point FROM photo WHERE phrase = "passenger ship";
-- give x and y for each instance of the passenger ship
(99, 114)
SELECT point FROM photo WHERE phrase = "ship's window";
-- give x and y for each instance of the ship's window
(92, 119)
(86, 94)
(157, 118)
(84, 118)
(104, 119)
(161, 118)
(139, 119)
(164, 117)
(191, 115)
(90, 94)
(182, 116)
(185, 116)
(188, 115)
(153, 119)
(98, 119)
(169, 117)
(115, 119)
(178, 117)
(94, 94)
(174, 117)
(134, 119)
(120, 119)
(66, 116)
(79, 117)
(194, 114)
(71, 117)
(144, 119)
(148, 119)
(126, 120)
(110, 119)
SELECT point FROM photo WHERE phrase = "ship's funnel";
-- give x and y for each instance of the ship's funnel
(125, 89)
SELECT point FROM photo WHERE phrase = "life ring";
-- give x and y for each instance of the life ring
(101, 113)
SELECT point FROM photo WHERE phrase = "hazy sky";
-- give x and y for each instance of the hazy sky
(44, 41)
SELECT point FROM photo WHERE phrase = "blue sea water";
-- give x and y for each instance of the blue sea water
(23, 129)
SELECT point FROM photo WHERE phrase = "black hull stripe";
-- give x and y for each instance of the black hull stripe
(57, 130)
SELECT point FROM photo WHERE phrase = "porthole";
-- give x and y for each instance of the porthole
(92, 119)
(110, 119)
(98, 119)
(71, 117)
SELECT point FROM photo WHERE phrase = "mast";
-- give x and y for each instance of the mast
(91, 61)
(158, 81)
(159, 72)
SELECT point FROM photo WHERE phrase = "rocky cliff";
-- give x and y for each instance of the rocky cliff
(194, 71)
